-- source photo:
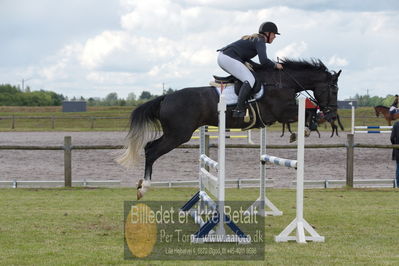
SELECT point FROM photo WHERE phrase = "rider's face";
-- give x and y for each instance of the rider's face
(272, 36)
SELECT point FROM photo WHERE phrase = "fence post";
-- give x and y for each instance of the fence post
(92, 122)
(52, 122)
(67, 161)
(353, 120)
(349, 160)
(13, 122)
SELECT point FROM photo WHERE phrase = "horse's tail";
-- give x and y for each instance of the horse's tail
(339, 123)
(144, 127)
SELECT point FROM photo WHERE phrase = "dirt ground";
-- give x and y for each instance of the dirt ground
(182, 164)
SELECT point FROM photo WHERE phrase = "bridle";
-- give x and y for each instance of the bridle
(332, 88)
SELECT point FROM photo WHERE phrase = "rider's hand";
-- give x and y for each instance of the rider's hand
(278, 66)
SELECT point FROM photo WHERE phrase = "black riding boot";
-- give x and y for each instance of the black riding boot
(245, 89)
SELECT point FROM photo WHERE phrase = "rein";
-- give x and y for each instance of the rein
(300, 85)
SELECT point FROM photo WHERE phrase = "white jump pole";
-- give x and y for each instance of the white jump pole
(299, 223)
(221, 161)
(249, 137)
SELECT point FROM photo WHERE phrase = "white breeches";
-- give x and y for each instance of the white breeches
(235, 68)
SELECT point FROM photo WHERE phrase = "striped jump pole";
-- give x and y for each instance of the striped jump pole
(388, 129)
(355, 129)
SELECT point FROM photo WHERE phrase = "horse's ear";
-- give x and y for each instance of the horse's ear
(339, 73)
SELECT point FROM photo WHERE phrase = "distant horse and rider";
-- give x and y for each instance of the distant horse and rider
(313, 119)
(164, 123)
(312, 123)
(380, 109)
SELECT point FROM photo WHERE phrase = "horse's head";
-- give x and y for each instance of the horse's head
(377, 112)
(314, 75)
(326, 94)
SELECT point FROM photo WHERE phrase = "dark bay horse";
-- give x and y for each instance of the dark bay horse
(179, 114)
(380, 109)
(334, 127)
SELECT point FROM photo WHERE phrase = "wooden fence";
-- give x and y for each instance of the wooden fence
(68, 148)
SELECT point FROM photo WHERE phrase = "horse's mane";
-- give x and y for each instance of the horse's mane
(313, 64)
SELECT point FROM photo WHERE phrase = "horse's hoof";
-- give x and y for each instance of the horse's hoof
(140, 184)
(292, 137)
(139, 187)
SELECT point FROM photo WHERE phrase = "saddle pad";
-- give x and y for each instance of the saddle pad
(231, 97)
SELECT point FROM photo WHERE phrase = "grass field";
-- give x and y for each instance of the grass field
(85, 226)
(115, 118)
(51, 118)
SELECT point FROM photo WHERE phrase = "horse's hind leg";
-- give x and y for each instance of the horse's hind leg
(154, 150)
(336, 131)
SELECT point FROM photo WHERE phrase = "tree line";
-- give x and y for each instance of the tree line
(112, 99)
(13, 96)
(367, 100)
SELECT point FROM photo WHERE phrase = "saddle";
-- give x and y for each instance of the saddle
(237, 83)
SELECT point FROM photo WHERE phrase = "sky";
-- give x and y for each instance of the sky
(91, 48)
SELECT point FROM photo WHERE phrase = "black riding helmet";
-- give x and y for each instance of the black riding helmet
(268, 27)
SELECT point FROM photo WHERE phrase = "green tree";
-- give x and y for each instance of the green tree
(111, 99)
(169, 91)
(131, 97)
(13, 96)
(145, 95)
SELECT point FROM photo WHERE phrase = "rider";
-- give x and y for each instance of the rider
(394, 106)
(232, 59)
